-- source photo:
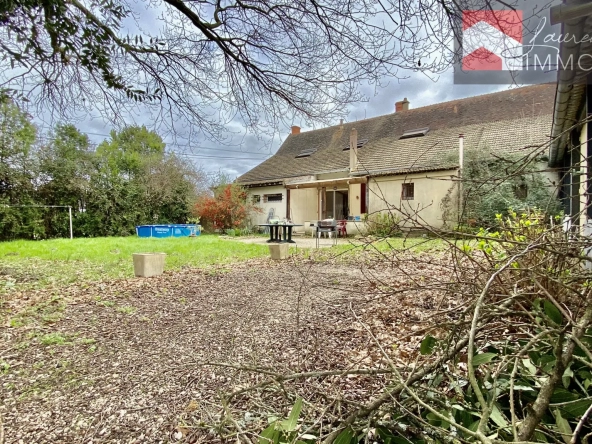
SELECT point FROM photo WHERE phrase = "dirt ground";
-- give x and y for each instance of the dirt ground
(142, 360)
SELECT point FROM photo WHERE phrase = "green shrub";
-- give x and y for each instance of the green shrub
(466, 229)
(383, 225)
(495, 185)
(247, 231)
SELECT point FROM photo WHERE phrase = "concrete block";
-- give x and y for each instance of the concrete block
(278, 251)
(148, 264)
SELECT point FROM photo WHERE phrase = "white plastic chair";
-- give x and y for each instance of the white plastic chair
(313, 228)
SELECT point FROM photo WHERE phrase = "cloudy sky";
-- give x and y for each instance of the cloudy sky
(242, 151)
(246, 151)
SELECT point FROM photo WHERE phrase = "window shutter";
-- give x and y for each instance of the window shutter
(363, 203)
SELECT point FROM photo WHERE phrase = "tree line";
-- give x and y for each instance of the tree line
(128, 180)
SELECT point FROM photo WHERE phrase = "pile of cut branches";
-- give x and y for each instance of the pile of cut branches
(505, 357)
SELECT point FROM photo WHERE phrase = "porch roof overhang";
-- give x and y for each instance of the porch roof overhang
(327, 183)
(571, 83)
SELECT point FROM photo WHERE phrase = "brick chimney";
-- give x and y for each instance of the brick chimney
(403, 105)
(295, 130)
(353, 150)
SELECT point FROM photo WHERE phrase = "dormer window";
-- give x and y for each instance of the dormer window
(419, 132)
(360, 144)
(306, 152)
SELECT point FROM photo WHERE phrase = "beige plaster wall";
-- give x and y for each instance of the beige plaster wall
(303, 205)
(336, 175)
(384, 192)
(279, 207)
(430, 188)
(355, 199)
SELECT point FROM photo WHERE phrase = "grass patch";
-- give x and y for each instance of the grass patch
(129, 310)
(17, 322)
(87, 341)
(47, 312)
(53, 339)
(37, 264)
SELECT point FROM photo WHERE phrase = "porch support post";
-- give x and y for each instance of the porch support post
(323, 203)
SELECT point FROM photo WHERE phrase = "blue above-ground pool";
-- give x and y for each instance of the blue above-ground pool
(174, 230)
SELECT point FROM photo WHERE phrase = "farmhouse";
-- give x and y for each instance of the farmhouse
(405, 161)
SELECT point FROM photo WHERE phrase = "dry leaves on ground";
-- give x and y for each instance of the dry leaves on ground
(137, 360)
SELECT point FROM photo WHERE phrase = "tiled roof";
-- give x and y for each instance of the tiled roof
(500, 122)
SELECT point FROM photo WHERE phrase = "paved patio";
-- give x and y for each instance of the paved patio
(301, 241)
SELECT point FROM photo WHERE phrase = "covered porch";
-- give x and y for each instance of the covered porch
(341, 199)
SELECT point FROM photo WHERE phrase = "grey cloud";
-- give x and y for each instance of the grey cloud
(243, 151)
(247, 150)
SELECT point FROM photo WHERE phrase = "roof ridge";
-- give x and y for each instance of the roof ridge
(439, 104)
(507, 119)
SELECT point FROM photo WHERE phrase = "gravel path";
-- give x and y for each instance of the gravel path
(129, 361)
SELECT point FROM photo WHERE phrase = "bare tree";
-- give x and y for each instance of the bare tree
(201, 63)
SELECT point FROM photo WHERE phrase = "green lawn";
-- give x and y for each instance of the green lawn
(37, 264)
(60, 261)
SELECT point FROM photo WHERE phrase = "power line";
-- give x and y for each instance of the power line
(220, 157)
(177, 145)
(221, 149)
(261, 156)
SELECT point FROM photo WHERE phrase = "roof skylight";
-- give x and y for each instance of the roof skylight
(360, 144)
(419, 132)
(306, 152)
